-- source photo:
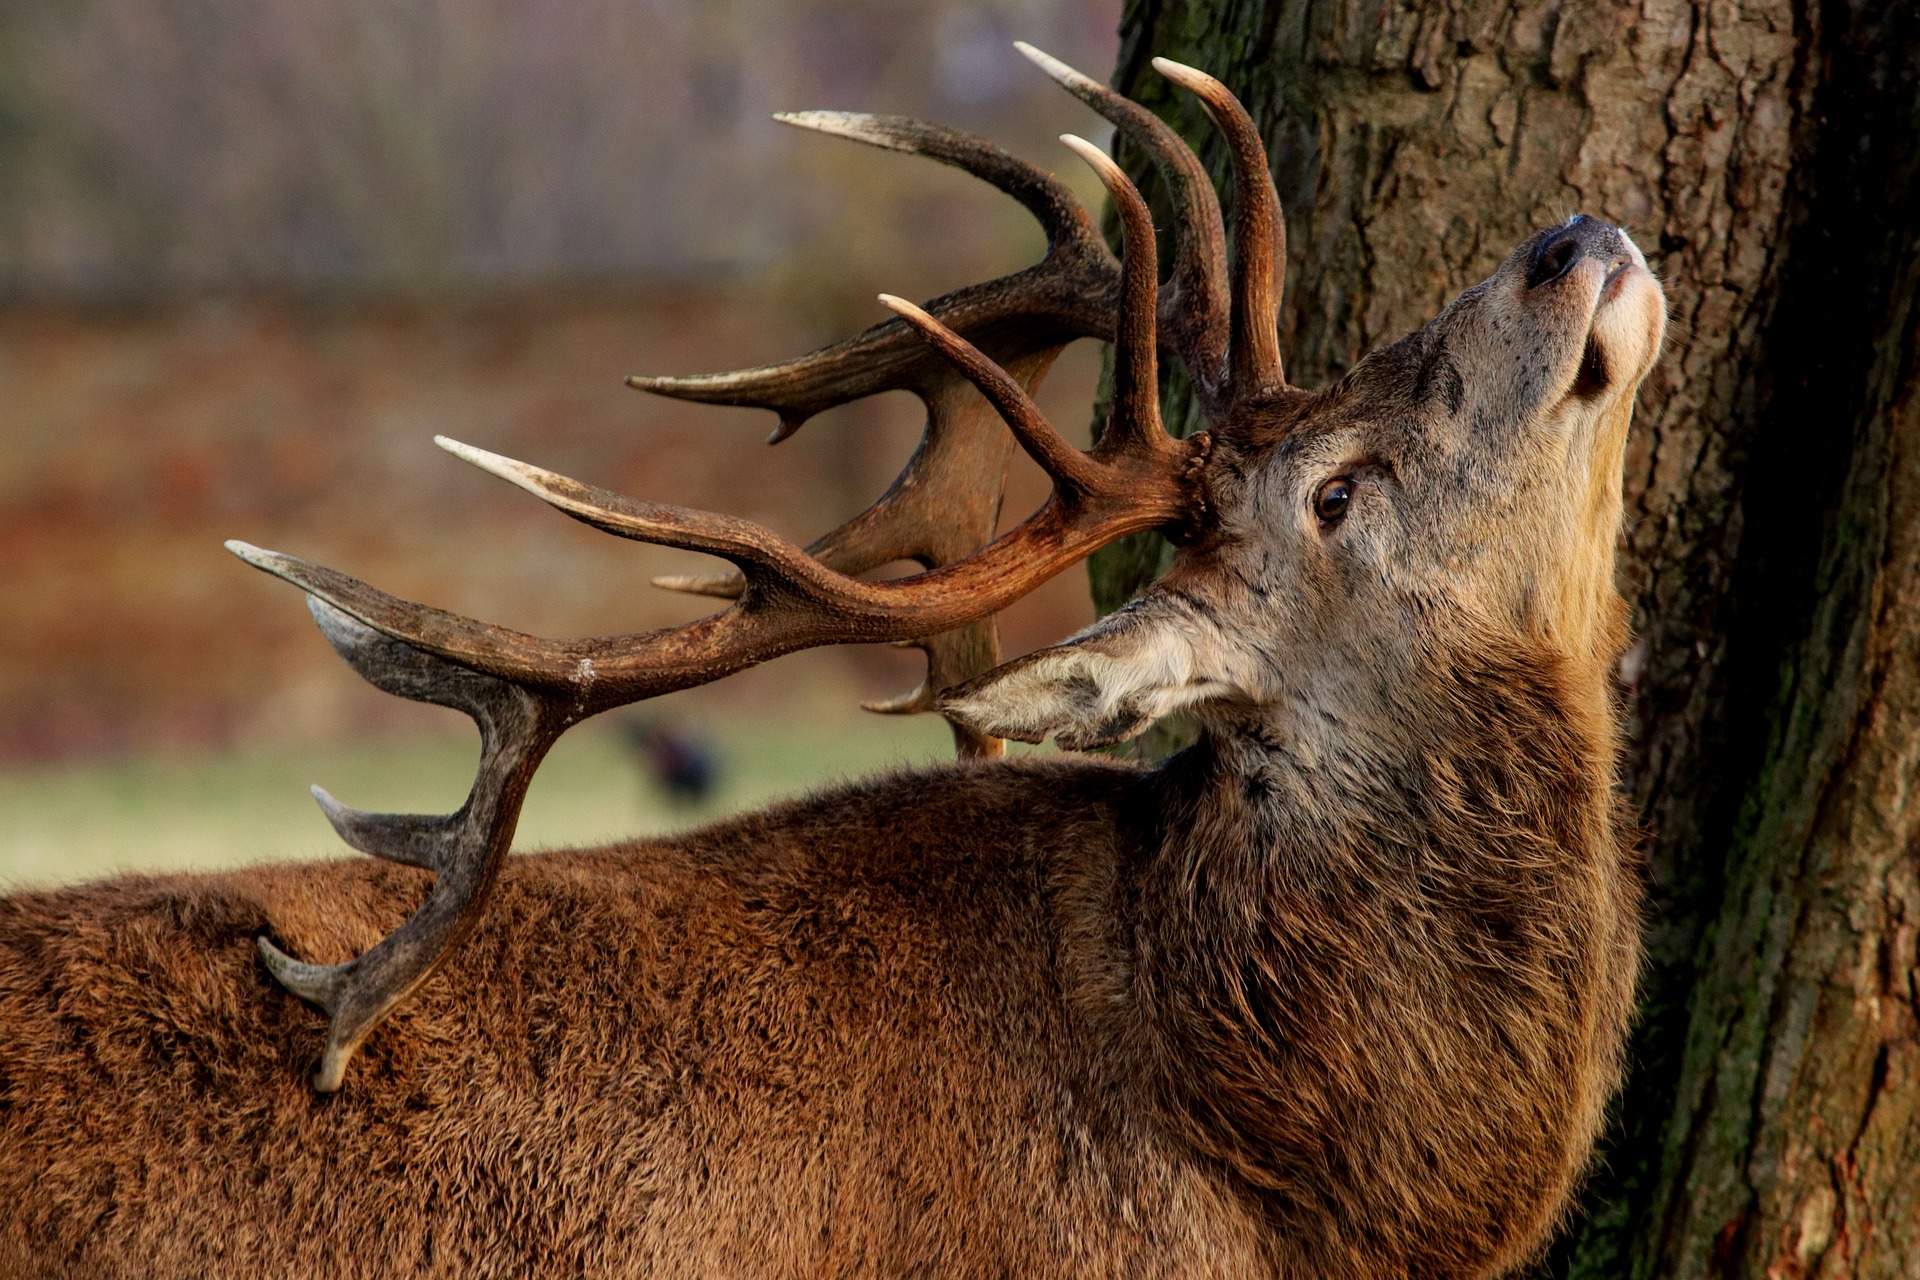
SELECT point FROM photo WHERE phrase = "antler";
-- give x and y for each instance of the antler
(946, 502)
(947, 499)
(524, 691)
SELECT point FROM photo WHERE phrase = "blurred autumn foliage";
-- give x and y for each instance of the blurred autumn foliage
(254, 253)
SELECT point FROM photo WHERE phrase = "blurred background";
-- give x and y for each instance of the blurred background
(254, 254)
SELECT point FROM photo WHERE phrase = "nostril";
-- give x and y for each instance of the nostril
(1554, 257)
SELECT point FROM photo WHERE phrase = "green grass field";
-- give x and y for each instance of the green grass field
(79, 821)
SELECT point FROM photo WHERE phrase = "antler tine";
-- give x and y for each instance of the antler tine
(465, 850)
(1259, 236)
(1066, 295)
(1194, 311)
(477, 646)
(1060, 460)
(1096, 496)
(1136, 377)
(746, 544)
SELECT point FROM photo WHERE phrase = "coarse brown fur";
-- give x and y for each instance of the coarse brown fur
(1338, 992)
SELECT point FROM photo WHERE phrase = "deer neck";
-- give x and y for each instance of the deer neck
(1306, 879)
(1370, 732)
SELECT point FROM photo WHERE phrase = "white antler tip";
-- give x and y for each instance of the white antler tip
(524, 474)
(258, 557)
(1054, 68)
(1086, 150)
(1099, 161)
(905, 704)
(478, 457)
(860, 126)
(722, 586)
(1182, 74)
(901, 306)
(822, 121)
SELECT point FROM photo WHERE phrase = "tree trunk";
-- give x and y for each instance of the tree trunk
(1766, 155)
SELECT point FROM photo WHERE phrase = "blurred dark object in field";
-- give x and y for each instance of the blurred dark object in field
(679, 761)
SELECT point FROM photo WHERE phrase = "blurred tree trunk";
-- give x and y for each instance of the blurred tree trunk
(1766, 155)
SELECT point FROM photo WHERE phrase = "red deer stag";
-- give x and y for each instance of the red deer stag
(1337, 992)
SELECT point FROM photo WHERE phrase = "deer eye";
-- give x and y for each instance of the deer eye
(1331, 502)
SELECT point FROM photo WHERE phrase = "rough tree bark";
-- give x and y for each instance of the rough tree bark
(1766, 155)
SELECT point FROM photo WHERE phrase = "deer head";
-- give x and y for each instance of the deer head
(1313, 515)
(1458, 488)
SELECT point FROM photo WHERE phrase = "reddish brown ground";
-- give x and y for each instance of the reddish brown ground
(135, 441)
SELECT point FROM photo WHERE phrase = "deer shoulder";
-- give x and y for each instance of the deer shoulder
(1338, 991)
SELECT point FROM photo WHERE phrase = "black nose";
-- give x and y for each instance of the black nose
(1583, 237)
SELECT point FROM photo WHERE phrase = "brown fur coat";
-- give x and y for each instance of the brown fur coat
(1249, 1014)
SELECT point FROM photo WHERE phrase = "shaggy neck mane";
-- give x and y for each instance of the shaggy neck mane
(1316, 933)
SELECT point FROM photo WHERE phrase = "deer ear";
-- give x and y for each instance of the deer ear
(1106, 685)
